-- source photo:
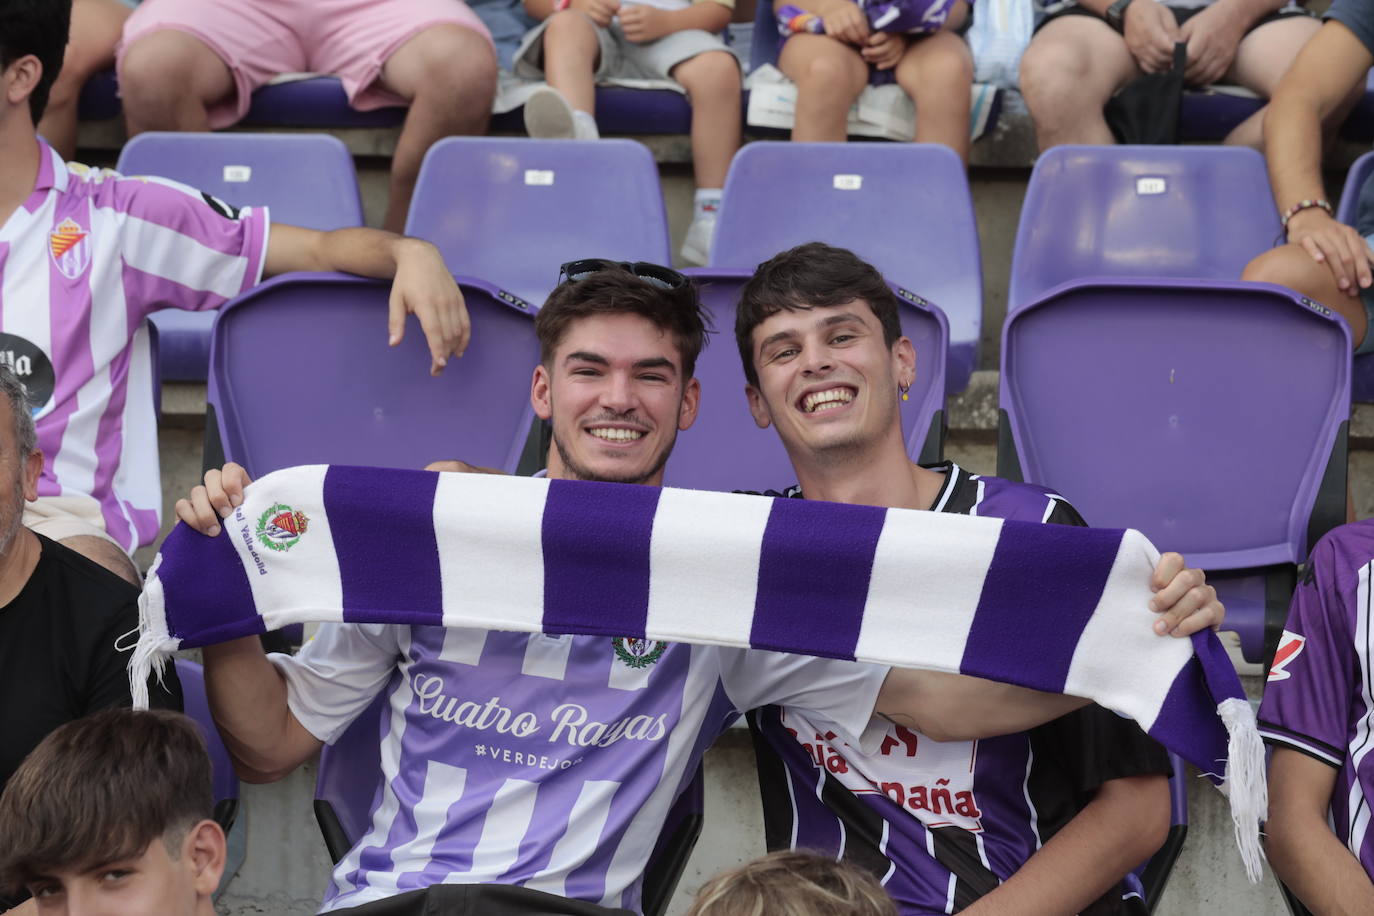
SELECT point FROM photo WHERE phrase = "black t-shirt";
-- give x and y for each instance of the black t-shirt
(1005, 795)
(58, 655)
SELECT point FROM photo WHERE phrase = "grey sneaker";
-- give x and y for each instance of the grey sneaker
(548, 115)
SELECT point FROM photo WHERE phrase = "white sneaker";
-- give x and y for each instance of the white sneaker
(696, 247)
(548, 115)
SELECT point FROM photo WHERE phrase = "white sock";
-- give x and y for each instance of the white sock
(707, 202)
(584, 126)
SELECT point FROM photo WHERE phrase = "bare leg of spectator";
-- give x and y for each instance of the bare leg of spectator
(106, 554)
(1262, 59)
(571, 56)
(1069, 71)
(96, 27)
(937, 72)
(448, 75)
(1291, 266)
(168, 79)
(829, 76)
(712, 81)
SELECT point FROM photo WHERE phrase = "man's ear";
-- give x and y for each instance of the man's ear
(691, 403)
(904, 354)
(757, 407)
(21, 77)
(33, 469)
(204, 847)
(539, 393)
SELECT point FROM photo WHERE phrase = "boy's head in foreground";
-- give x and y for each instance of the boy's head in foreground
(793, 884)
(110, 815)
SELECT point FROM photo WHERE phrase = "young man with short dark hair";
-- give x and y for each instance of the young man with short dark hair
(110, 816)
(1044, 821)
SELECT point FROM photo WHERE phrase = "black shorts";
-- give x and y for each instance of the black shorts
(1182, 14)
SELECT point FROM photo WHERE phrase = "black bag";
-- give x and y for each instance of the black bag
(1146, 110)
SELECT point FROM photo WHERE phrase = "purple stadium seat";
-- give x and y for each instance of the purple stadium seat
(316, 102)
(99, 99)
(300, 373)
(512, 210)
(225, 782)
(1211, 416)
(348, 791)
(725, 450)
(904, 207)
(304, 179)
(1132, 211)
(1362, 383)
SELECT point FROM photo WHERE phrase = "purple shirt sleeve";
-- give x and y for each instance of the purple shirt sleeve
(1313, 681)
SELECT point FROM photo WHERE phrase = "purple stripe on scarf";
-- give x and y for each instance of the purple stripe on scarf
(596, 557)
(1054, 568)
(205, 588)
(388, 555)
(813, 577)
(1191, 728)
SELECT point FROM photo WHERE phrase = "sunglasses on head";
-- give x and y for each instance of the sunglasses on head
(653, 274)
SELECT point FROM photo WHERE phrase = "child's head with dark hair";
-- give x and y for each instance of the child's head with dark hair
(814, 275)
(117, 804)
(38, 28)
(793, 884)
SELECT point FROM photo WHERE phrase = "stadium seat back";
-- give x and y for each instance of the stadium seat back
(1210, 416)
(303, 179)
(1153, 873)
(300, 373)
(348, 791)
(726, 450)
(1347, 212)
(224, 781)
(1140, 211)
(512, 210)
(903, 207)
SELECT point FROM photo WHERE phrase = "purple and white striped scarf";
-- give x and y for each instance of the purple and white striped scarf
(1051, 607)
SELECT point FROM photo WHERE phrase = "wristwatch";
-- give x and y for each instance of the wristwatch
(1116, 15)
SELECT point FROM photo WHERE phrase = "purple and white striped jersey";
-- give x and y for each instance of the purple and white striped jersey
(1319, 697)
(943, 823)
(544, 761)
(83, 262)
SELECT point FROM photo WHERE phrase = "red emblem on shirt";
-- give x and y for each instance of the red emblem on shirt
(1290, 647)
(71, 248)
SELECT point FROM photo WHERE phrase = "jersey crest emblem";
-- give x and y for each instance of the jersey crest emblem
(638, 653)
(71, 248)
(1290, 647)
(280, 527)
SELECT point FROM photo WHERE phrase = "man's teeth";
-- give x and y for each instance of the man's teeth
(827, 400)
(612, 434)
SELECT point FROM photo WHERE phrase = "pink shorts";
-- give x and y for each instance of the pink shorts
(261, 39)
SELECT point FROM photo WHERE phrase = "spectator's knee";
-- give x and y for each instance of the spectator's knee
(455, 61)
(569, 25)
(714, 73)
(156, 66)
(1048, 75)
(1287, 265)
(832, 74)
